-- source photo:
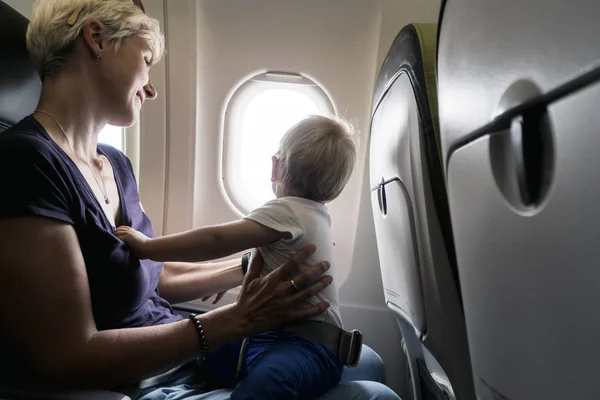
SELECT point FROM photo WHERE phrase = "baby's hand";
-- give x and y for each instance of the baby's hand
(217, 298)
(135, 239)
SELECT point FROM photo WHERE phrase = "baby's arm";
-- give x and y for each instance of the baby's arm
(200, 244)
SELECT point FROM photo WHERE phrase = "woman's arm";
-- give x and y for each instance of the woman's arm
(201, 244)
(58, 335)
(181, 282)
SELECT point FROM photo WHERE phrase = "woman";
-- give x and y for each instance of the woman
(77, 309)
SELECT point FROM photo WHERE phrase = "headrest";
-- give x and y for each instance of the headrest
(20, 84)
(413, 48)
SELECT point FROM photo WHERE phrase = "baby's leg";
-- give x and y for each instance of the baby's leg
(290, 368)
(220, 367)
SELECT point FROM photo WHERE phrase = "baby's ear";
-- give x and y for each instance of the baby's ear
(274, 169)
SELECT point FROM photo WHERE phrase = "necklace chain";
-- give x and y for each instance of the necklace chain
(101, 187)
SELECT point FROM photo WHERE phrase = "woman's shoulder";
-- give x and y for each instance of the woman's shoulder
(111, 151)
(25, 142)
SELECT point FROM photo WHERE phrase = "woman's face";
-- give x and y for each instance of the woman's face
(124, 82)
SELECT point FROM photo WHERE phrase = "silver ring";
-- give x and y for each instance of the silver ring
(294, 284)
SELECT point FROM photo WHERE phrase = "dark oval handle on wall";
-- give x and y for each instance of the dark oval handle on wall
(381, 198)
(522, 159)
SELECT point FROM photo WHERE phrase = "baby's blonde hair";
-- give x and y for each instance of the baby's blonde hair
(316, 158)
(51, 39)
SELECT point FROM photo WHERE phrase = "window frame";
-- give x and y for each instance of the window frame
(130, 146)
(239, 101)
(122, 136)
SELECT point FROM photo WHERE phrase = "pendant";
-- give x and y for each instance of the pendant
(106, 200)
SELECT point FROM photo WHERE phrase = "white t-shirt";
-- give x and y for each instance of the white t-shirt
(308, 222)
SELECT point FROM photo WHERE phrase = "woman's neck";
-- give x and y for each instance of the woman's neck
(72, 110)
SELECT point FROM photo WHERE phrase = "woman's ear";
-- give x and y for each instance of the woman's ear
(92, 37)
(274, 169)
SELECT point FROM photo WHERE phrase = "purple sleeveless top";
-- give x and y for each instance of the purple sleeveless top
(39, 179)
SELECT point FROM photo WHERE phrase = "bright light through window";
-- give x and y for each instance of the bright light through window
(112, 135)
(268, 116)
(258, 118)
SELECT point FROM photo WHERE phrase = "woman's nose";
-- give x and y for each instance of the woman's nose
(150, 90)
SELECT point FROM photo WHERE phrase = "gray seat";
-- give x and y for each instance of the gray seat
(19, 83)
(412, 223)
(19, 91)
(519, 88)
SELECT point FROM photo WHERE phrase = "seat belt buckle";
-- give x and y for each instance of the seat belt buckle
(355, 348)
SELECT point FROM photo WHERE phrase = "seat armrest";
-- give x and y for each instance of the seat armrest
(26, 394)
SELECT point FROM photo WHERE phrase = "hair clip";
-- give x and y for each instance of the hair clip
(73, 18)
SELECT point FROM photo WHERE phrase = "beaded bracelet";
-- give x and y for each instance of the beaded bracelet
(203, 345)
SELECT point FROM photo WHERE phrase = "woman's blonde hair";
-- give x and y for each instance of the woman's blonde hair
(316, 158)
(56, 24)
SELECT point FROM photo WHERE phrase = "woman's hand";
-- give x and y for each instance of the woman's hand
(269, 302)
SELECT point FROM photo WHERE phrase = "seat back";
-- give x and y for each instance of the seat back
(518, 94)
(20, 85)
(412, 224)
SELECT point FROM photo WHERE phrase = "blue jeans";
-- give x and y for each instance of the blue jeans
(276, 365)
(365, 382)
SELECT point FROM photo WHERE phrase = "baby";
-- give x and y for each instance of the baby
(314, 162)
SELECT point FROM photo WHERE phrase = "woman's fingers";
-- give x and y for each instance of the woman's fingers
(307, 277)
(310, 291)
(290, 267)
(273, 300)
(219, 297)
(256, 263)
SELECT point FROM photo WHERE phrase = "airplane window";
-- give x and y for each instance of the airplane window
(257, 116)
(113, 135)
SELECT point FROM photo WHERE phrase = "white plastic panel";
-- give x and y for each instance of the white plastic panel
(397, 254)
(487, 45)
(529, 279)
(390, 161)
(390, 128)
